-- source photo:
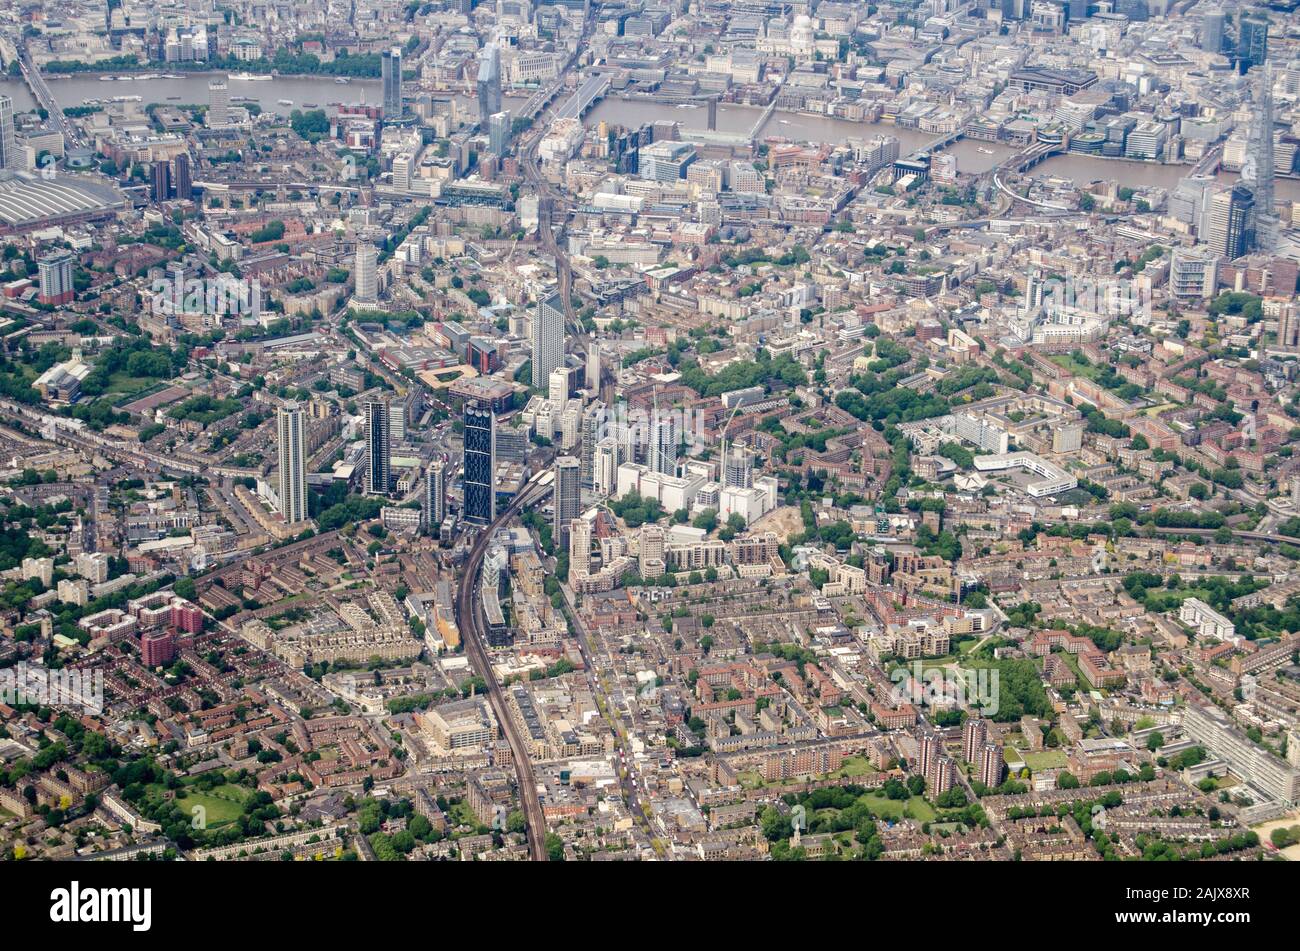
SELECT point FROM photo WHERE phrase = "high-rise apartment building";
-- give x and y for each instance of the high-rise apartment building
(974, 735)
(567, 502)
(54, 273)
(367, 276)
(663, 444)
(292, 451)
(435, 495)
(547, 338)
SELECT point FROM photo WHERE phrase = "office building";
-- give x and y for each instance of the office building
(378, 430)
(292, 451)
(8, 144)
(1212, 30)
(391, 70)
(567, 502)
(55, 273)
(547, 339)
(218, 103)
(480, 464)
(1252, 42)
(435, 495)
(1258, 172)
(666, 161)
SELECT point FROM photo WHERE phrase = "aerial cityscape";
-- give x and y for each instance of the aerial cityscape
(651, 430)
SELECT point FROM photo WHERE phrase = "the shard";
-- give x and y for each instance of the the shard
(1258, 170)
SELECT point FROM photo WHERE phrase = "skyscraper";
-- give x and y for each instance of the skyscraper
(8, 145)
(499, 133)
(160, 182)
(1212, 31)
(1258, 171)
(593, 368)
(547, 338)
(480, 464)
(378, 468)
(1230, 214)
(435, 495)
(592, 424)
(292, 451)
(579, 547)
(1252, 42)
(391, 68)
(557, 388)
(568, 497)
(181, 182)
(218, 103)
(367, 283)
(663, 444)
(738, 468)
(489, 82)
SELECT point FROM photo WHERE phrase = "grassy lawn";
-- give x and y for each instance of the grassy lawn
(121, 383)
(886, 808)
(1047, 759)
(854, 766)
(223, 804)
(1067, 361)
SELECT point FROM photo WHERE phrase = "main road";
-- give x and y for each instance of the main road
(470, 618)
(45, 98)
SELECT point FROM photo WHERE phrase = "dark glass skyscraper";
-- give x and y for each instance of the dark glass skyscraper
(480, 464)
(489, 82)
(378, 469)
(391, 67)
(182, 183)
(1252, 42)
